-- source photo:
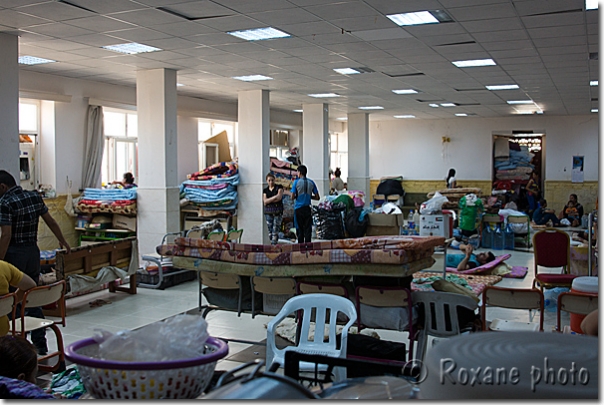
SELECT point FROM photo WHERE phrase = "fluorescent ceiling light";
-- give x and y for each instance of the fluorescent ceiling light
(372, 107)
(417, 18)
(593, 83)
(503, 87)
(179, 85)
(404, 116)
(461, 115)
(474, 63)
(131, 48)
(298, 111)
(526, 112)
(521, 102)
(347, 71)
(342, 119)
(405, 91)
(448, 105)
(594, 110)
(32, 60)
(591, 4)
(434, 105)
(258, 34)
(324, 95)
(252, 78)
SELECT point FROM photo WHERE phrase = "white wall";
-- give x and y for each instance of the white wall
(188, 150)
(413, 148)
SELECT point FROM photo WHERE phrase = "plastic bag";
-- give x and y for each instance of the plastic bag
(550, 303)
(180, 337)
(565, 222)
(389, 208)
(433, 205)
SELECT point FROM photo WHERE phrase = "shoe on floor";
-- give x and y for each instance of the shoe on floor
(42, 350)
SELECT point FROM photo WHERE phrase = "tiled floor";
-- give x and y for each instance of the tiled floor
(148, 305)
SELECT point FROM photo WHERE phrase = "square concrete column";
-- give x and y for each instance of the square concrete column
(254, 163)
(315, 144)
(157, 194)
(358, 153)
(9, 104)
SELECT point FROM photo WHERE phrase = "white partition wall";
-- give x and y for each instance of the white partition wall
(315, 144)
(9, 104)
(358, 153)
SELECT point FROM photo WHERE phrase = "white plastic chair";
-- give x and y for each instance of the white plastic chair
(440, 316)
(320, 303)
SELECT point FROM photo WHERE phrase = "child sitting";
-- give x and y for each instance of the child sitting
(572, 214)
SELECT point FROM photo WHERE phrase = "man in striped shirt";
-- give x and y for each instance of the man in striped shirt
(20, 211)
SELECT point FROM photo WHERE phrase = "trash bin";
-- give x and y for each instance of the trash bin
(582, 285)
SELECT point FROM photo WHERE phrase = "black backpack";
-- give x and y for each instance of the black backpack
(355, 227)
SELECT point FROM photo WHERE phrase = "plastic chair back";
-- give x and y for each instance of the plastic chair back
(44, 295)
(216, 235)
(234, 235)
(325, 308)
(575, 303)
(522, 219)
(513, 298)
(195, 233)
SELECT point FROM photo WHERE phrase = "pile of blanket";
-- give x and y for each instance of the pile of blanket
(214, 188)
(112, 201)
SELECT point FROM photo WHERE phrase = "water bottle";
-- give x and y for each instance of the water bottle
(411, 222)
(416, 222)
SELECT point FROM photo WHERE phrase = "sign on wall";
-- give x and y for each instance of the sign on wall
(577, 173)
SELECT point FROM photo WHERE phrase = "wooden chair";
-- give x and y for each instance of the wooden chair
(234, 235)
(513, 298)
(8, 307)
(575, 303)
(552, 249)
(524, 237)
(386, 297)
(281, 287)
(38, 297)
(216, 235)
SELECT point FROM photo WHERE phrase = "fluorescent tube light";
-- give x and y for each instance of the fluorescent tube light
(461, 115)
(252, 78)
(298, 111)
(372, 107)
(474, 63)
(259, 34)
(342, 119)
(448, 105)
(33, 60)
(434, 105)
(512, 102)
(503, 87)
(404, 116)
(324, 95)
(347, 71)
(593, 83)
(417, 18)
(594, 110)
(405, 91)
(131, 48)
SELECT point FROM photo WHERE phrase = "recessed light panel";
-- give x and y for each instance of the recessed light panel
(405, 91)
(131, 48)
(32, 60)
(342, 119)
(372, 107)
(324, 95)
(347, 71)
(252, 78)
(434, 105)
(404, 116)
(593, 83)
(448, 105)
(512, 102)
(461, 115)
(503, 87)
(298, 111)
(417, 18)
(474, 63)
(591, 4)
(594, 110)
(259, 34)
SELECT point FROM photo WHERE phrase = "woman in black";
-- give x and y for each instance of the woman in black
(273, 207)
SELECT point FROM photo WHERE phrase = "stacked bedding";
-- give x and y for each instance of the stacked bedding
(111, 201)
(214, 188)
(285, 172)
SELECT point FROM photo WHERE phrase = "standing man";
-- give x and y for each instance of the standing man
(303, 190)
(20, 211)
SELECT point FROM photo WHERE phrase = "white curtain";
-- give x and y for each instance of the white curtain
(93, 154)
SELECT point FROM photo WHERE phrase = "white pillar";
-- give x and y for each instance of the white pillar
(315, 146)
(9, 104)
(157, 194)
(254, 163)
(358, 154)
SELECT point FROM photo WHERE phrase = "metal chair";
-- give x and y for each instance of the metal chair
(8, 307)
(552, 249)
(575, 303)
(325, 308)
(222, 281)
(280, 287)
(216, 235)
(38, 297)
(234, 235)
(385, 297)
(303, 287)
(522, 219)
(513, 298)
(440, 316)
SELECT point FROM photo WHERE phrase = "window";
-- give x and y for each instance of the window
(208, 152)
(120, 154)
(339, 154)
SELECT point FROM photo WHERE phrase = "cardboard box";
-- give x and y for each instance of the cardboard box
(434, 225)
(385, 219)
(124, 222)
(382, 230)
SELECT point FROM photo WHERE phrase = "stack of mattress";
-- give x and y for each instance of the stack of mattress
(214, 188)
(111, 201)
(285, 173)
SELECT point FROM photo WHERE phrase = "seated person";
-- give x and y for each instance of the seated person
(468, 260)
(577, 206)
(543, 215)
(19, 369)
(572, 214)
(589, 325)
(127, 181)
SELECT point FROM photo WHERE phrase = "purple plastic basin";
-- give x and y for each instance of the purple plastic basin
(71, 353)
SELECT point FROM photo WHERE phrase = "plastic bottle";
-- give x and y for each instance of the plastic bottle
(411, 222)
(416, 222)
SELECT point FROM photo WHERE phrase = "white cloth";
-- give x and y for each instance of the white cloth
(452, 181)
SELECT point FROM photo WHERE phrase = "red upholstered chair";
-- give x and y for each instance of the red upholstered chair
(552, 249)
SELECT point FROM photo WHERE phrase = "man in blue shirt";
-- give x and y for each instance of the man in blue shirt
(468, 260)
(542, 214)
(303, 190)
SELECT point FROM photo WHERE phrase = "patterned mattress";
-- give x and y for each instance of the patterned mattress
(126, 207)
(393, 250)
